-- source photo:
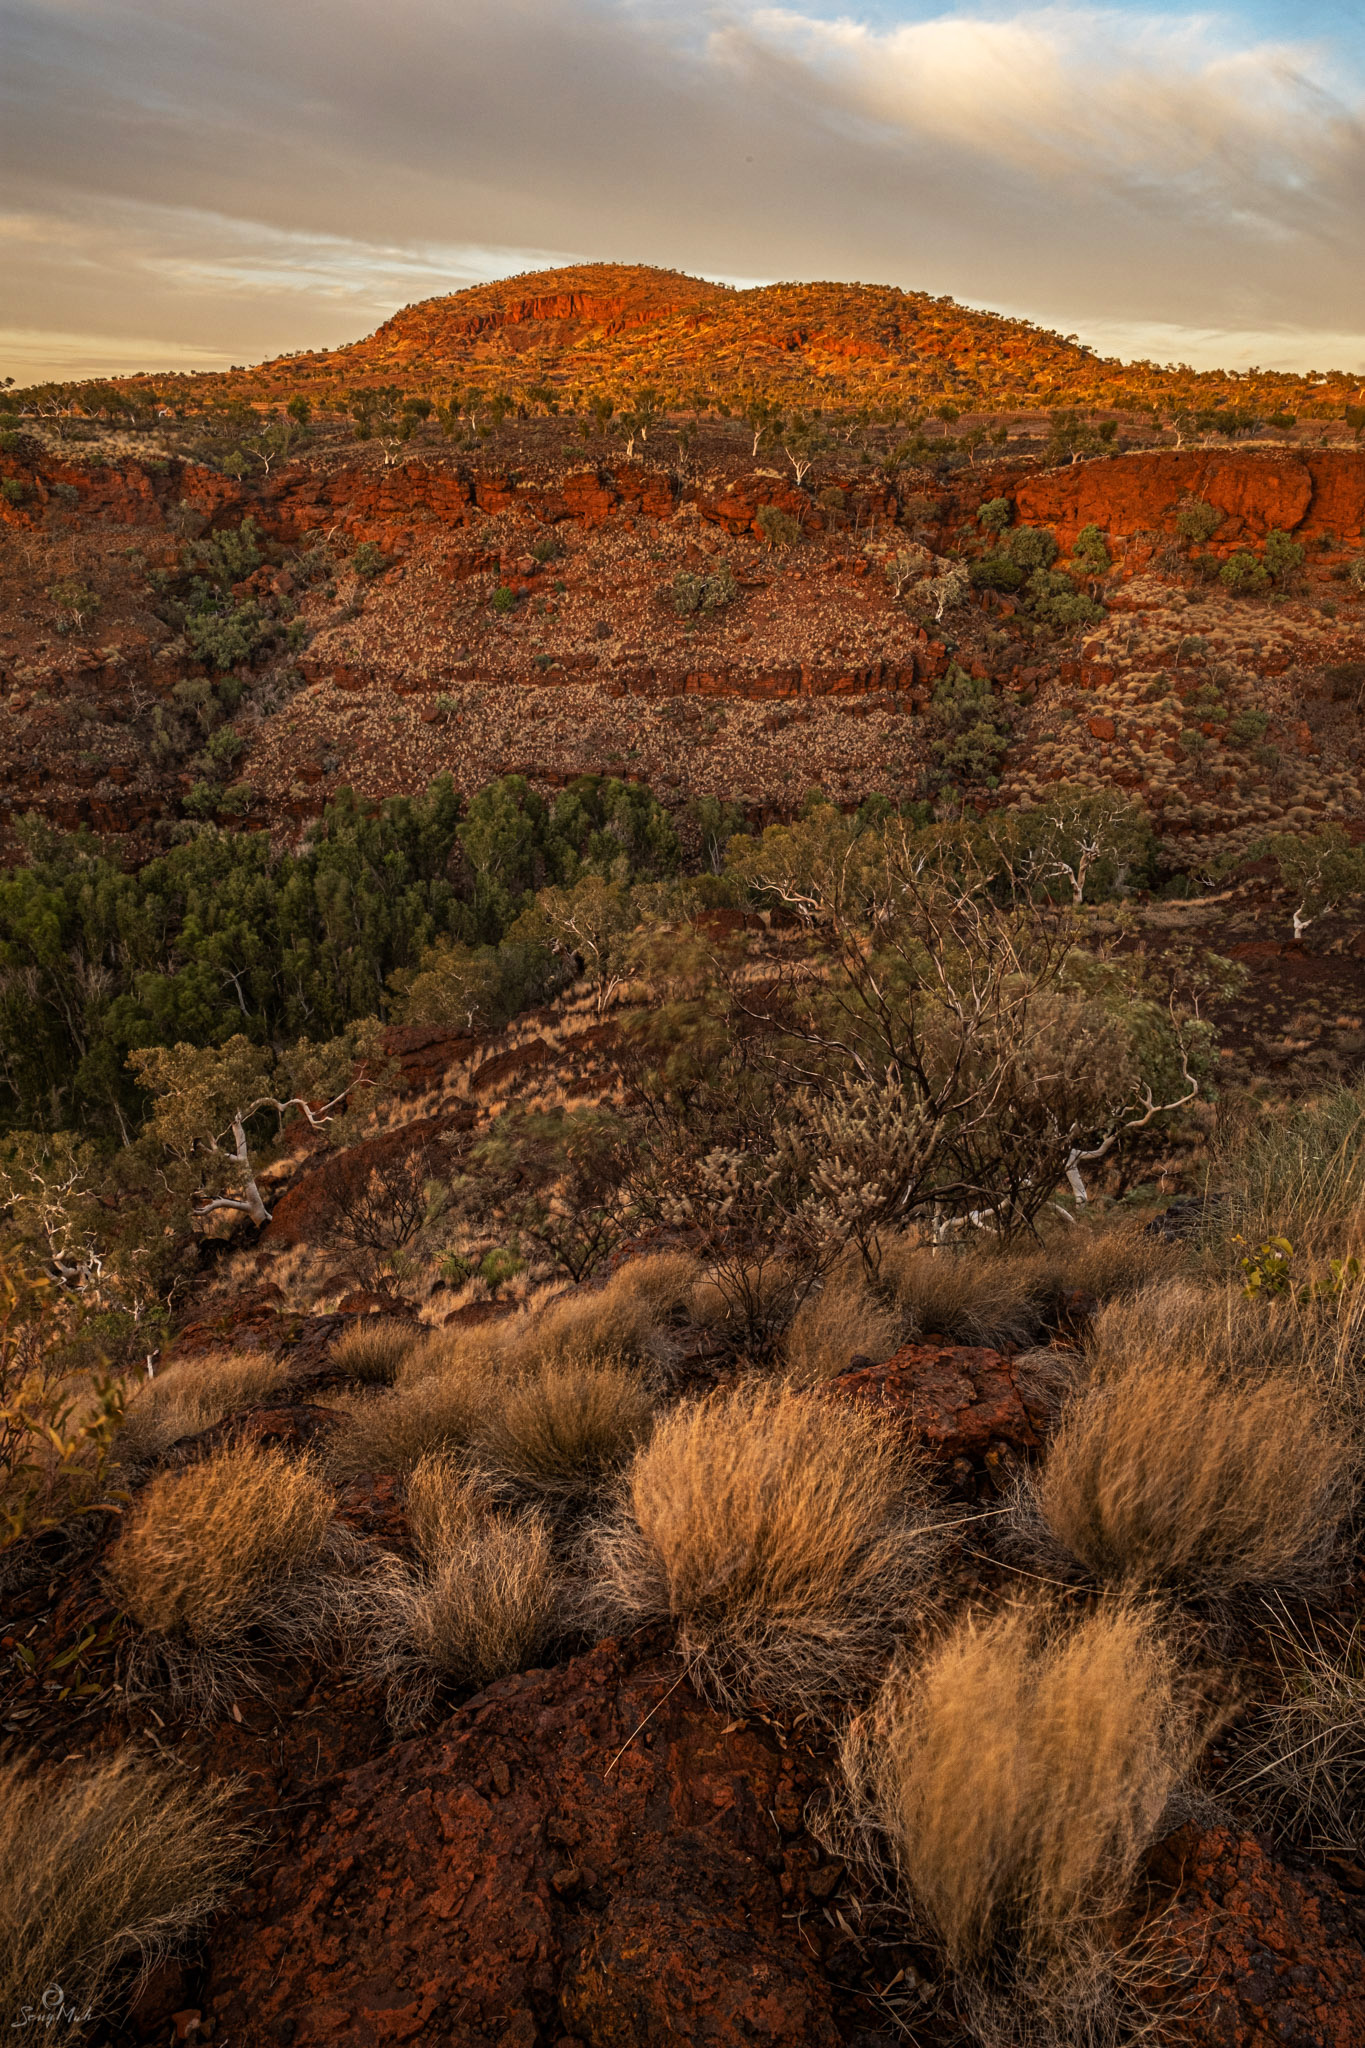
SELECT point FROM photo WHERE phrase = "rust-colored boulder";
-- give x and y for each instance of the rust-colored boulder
(287, 1426)
(306, 1211)
(1269, 1956)
(959, 1400)
(587, 1852)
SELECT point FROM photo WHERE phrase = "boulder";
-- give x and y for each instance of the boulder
(959, 1400)
(1258, 1953)
(586, 1853)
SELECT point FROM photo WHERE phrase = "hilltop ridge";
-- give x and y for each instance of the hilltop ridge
(558, 338)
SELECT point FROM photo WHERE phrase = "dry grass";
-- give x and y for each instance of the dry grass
(233, 1545)
(1299, 1174)
(970, 1295)
(1111, 1260)
(373, 1349)
(1006, 1790)
(391, 1432)
(484, 1602)
(844, 1320)
(120, 1860)
(620, 1321)
(444, 1501)
(1176, 1475)
(788, 1538)
(191, 1395)
(1319, 1340)
(1308, 1763)
(561, 1433)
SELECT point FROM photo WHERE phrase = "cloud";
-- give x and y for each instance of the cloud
(268, 177)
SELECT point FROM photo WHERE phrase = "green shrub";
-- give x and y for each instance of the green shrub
(778, 528)
(994, 515)
(996, 572)
(368, 560)
(1031, 547)
(14, 490)
(1248, 726)
(1283, 556)
(1089, 550)
(230, 633)
(504, 599)
(972, 735)
(1197, 521)
(689, 593)
(1243, 575)
(547, 547)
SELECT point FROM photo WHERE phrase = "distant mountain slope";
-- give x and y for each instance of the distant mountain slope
(561, 337)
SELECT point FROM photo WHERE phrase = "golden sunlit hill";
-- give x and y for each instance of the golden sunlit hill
(560, 338)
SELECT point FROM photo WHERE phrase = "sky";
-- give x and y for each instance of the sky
(191, 183)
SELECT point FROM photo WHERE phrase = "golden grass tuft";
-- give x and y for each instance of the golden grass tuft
(225, 1546)
(1174, 1475)
(561, 1433)
(190, 1395)
(444, 1501)
(970, 1295)
(484, 1601)
(120, 1860)
(843, 1320)
(1006, 1789)
(373, 1349)
(383, 1431)
(1308, 1758)
(788, 1538)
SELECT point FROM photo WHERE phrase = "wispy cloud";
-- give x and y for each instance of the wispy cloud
(263, 177)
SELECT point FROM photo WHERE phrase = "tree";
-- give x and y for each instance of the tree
(1005, 1045)
(1078, 837)
(211, 1102)
(589, 923)
(1318, 870)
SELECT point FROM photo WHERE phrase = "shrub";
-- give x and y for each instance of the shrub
(1008, 1788)
(547, 547)
(1356, 573)
(561, 1434)
(968, 1296)
(390, 1432)
(844, 1320)
(1197, 522)
(778, 528)
(484, 1602)
(1031, 547)
(504, 599)
(994, 516)
(1088, 550)
(1243, 575)
(788, 1538)
(225, 1547)
(1283, 556)
(14, 490)
(996, 572)
(688, 593)
(372, 1350)
(190, 1395)
(1172, 1475)
(119, 1859)
(368, 560)
(972, 733)
(1309, 1752)
(1248, 726)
